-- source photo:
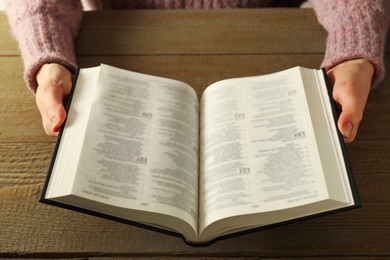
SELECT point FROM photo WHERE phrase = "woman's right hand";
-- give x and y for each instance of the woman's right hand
(54, 85)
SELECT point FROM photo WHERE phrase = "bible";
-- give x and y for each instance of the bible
(250, 153)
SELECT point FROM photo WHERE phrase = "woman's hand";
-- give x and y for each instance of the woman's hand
(351, 86)
(54, 84)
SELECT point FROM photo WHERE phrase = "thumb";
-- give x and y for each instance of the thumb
(351, 86)
(347, 130)
(56, 114)
(349, 120)
(50, 104)
(54, 84)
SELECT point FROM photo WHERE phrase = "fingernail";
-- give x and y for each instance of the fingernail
(347, 129)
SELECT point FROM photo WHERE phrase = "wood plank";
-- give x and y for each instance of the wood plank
(24, 164)
(51, 230)
(201, 32)
(202, 70)
(7, 42)
(182, 32)
(19, 116)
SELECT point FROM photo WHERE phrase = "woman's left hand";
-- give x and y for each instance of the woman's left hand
(351, 82)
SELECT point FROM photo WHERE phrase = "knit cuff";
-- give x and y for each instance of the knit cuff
(45, 32)
(344, 45)
(360, 34)
(50, 44)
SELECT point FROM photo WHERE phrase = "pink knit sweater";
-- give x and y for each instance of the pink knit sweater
(46, 29)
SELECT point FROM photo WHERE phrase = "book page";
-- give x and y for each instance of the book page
(64, 170)
(259, 152)
(141, 146)
(324, 124)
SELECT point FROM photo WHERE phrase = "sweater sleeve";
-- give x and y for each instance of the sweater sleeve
(45, 31)
(356, 29)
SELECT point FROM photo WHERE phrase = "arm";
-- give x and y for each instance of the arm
(45, 31)
(354, 53)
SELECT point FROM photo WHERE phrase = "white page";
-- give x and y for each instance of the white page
(64, 170)
(140, 151)
(259, 151)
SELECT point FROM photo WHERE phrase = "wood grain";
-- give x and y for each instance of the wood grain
(198, 47)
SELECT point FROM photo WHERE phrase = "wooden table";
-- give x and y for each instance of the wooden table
(198, 47)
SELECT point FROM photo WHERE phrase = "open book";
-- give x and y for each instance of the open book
(253, 152)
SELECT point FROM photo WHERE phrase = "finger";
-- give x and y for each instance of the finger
(53, 120)
(347, 128)
(54, 84)
(350, 118)
(50, 104)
